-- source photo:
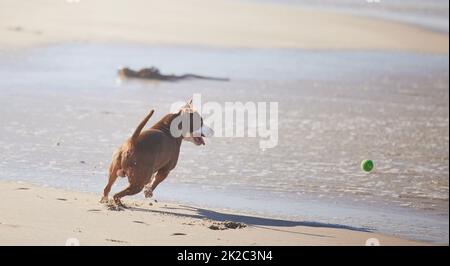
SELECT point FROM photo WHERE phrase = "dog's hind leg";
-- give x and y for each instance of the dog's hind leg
(111, 180)
(132, 189)
(113, 173)
(136, 178)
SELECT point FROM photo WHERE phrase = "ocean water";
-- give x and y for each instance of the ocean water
(430, 14)
(63, 113)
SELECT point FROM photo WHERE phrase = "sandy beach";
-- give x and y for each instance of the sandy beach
(32, 215)
(207, 23)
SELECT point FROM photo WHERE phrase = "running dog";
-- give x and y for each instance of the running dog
(148, 156)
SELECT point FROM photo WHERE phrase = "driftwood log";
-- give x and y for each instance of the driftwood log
(153, 73)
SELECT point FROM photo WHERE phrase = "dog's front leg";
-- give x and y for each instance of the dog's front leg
(158, 178)
(148, 191)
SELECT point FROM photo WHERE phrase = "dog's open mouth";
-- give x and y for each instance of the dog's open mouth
(198, 140)
(197, 136)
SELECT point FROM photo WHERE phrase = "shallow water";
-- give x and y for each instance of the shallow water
(430, 14)
(64, 112)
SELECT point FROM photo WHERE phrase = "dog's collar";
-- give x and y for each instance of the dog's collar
(166, 131)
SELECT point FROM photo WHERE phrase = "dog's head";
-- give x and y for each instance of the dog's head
(189, 125)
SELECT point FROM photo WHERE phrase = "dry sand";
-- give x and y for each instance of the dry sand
(204, 22)
(33, 215)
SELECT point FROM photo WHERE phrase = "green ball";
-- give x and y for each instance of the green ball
(367, 165)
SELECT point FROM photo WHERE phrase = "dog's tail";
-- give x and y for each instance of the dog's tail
(141, 125)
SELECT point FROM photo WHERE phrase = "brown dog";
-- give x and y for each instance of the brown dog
(154, 152)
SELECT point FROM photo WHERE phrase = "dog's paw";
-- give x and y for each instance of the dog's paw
(118, 203)
(115, 207)
(148, 192)
(104, 199)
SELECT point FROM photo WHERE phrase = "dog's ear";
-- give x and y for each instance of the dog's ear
(187, 105)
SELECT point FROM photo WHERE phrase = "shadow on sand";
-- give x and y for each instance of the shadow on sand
(266, 223)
